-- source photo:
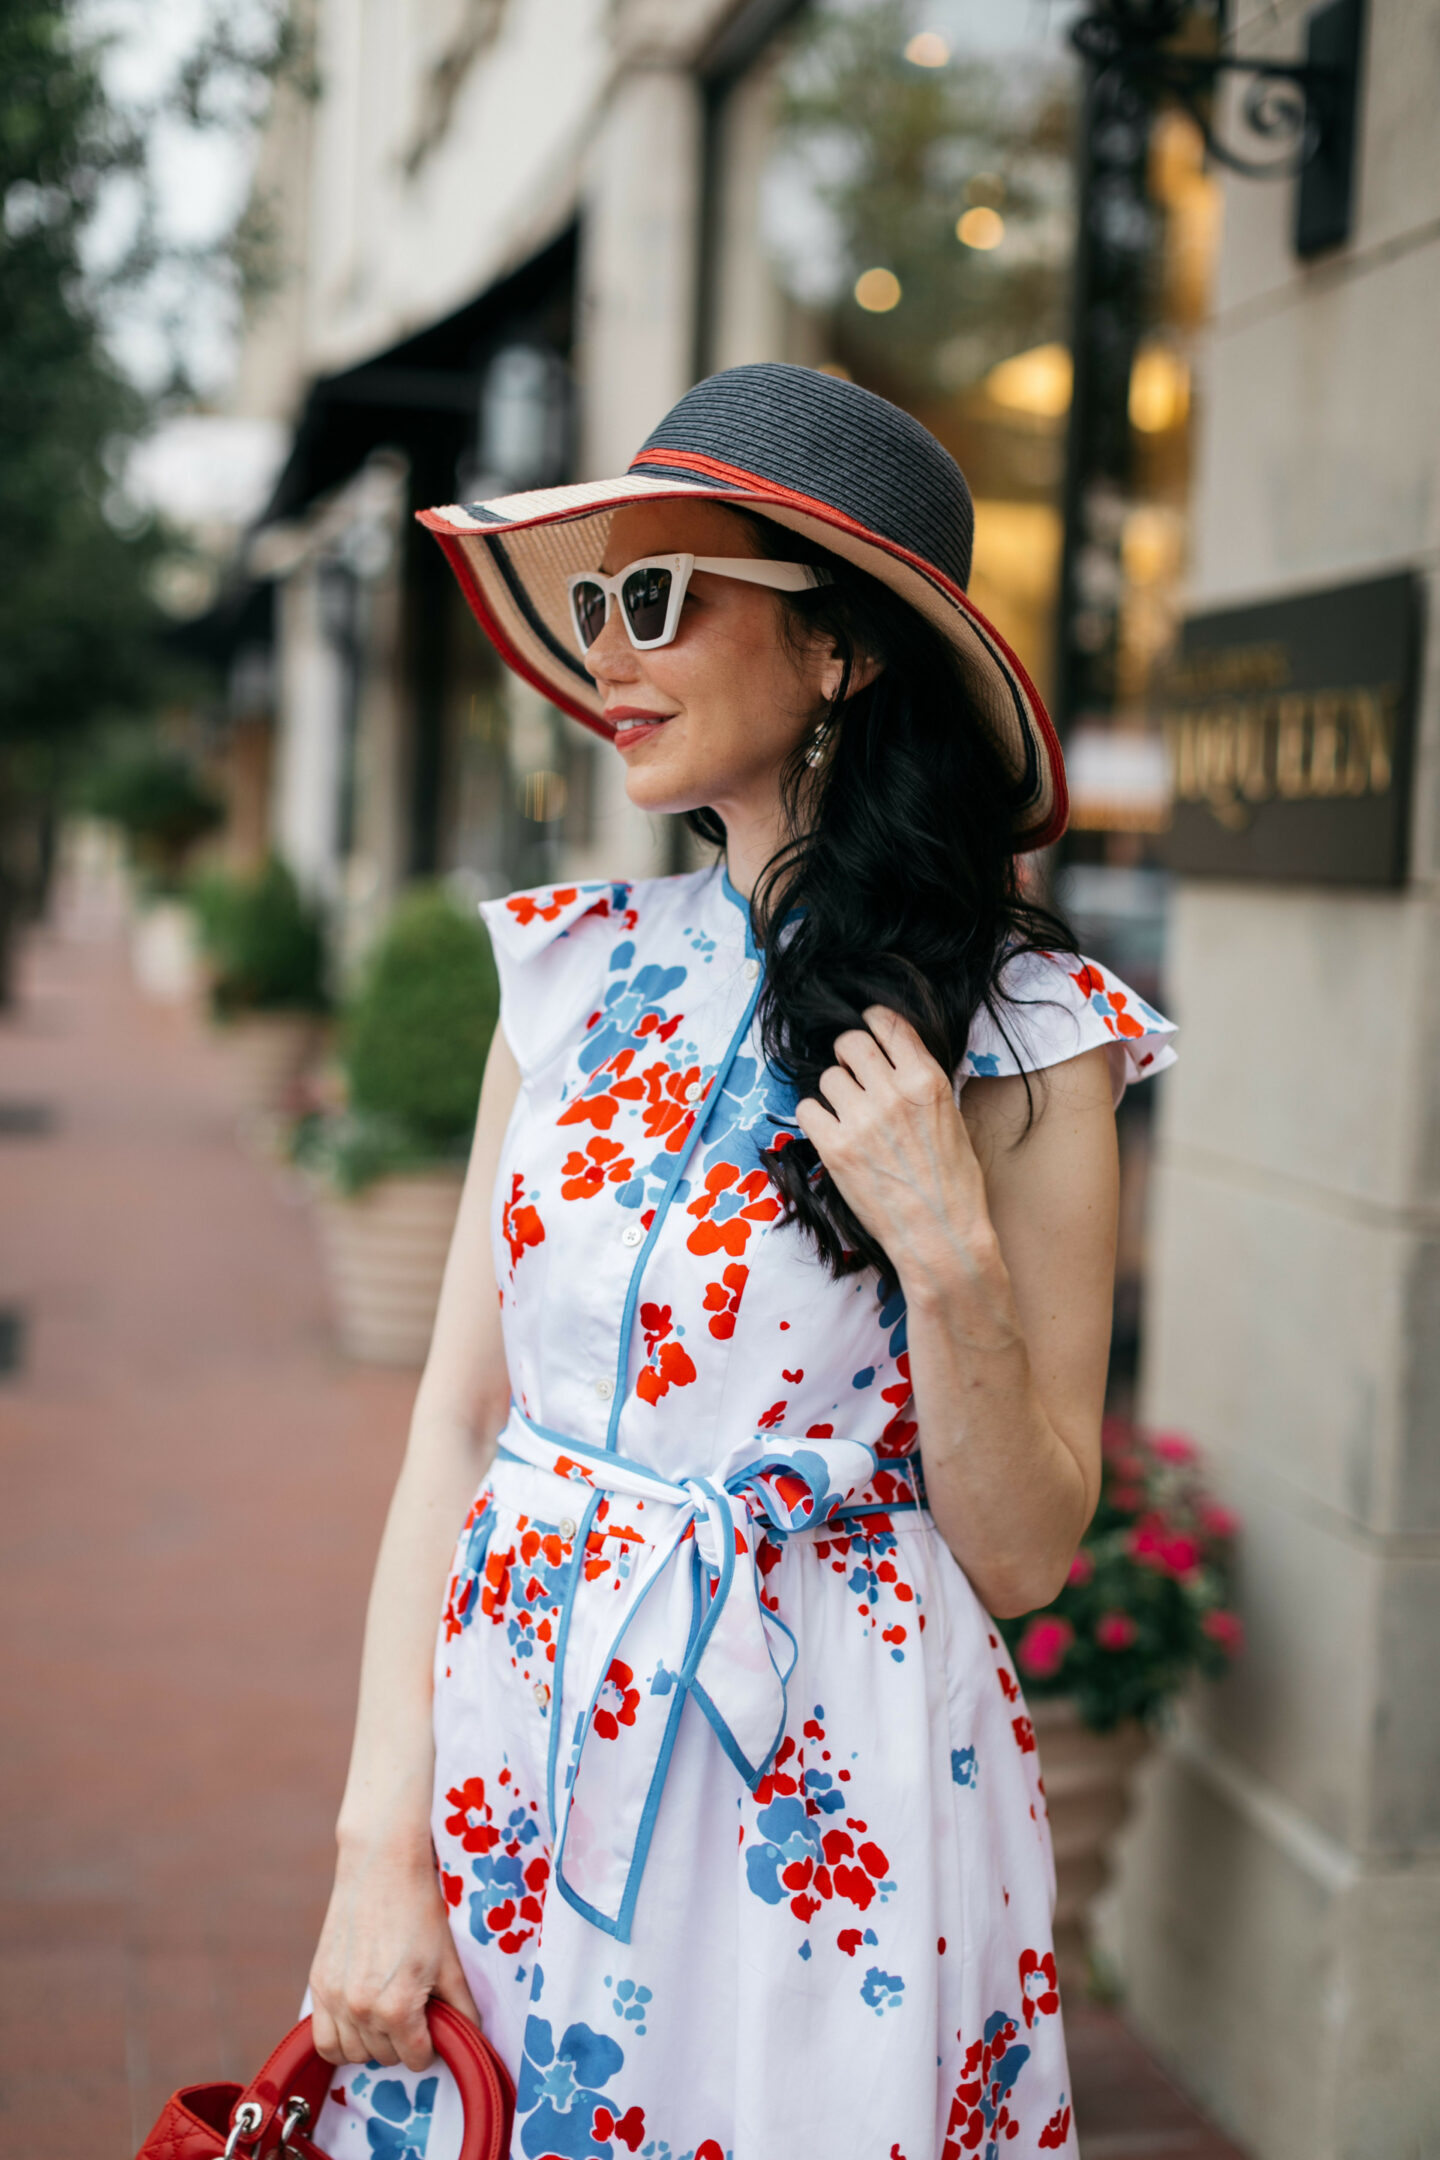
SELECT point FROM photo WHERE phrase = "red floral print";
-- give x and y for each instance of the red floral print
(587, 1174)
(670, 1362)
(1091, 984)
(520, 1226)
(529, 907)
(722, 1300)
(720, 1229)
(619, 1700)
(1055, 2133)
(471, 1821)
(1039, 1988)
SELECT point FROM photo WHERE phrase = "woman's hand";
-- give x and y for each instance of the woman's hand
(890, 1133)
(384, 1951)
(1002, 1232)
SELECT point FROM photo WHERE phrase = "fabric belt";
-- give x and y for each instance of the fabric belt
(692, 1622)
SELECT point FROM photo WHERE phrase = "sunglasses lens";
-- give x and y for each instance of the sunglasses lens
(589, 604)
(646, 594)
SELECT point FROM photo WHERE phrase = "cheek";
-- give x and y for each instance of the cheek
(742, 694)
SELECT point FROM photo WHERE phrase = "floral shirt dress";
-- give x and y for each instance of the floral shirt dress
(737, 1807)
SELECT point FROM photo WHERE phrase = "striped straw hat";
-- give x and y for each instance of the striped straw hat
(824, 457)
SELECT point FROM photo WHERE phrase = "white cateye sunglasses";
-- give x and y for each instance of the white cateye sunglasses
(652, 592)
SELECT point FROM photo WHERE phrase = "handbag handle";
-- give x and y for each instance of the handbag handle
(295, 2072)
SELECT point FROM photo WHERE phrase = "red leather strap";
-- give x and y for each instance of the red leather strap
(195, 2121)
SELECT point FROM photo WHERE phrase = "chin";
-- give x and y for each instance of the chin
(660, 790)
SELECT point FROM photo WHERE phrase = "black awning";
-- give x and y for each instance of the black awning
(422, 395)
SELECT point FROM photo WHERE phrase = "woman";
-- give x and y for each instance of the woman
(795, 1358)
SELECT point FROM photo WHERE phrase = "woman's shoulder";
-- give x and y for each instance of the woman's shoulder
(1051, 1006)
(525, 923)
(554, 944)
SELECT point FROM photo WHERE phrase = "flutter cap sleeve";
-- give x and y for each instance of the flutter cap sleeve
(551, 945)
(1057, 1005)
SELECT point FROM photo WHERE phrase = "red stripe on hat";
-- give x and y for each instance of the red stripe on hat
(470, 585)
(756, 483)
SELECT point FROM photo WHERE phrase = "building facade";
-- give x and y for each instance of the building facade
(1280, 1923)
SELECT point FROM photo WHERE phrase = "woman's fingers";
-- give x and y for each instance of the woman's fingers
(863, 1056)
(408, 2031)
(900, 1041)
(325, 2034)
(340, 2038)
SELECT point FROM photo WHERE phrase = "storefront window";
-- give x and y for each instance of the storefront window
(894, 199)
(899, 209)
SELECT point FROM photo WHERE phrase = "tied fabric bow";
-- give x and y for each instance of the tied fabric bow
(691, 1622)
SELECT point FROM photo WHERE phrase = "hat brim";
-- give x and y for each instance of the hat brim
(513, 555)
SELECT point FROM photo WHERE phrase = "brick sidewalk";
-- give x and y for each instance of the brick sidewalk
(195, 1483)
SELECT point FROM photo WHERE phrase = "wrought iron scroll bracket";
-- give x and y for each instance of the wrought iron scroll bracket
(1306, 107)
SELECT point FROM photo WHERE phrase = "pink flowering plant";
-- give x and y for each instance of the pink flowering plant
(1147, 1602)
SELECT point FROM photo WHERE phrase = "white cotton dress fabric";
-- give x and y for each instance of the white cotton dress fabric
(737, 1812)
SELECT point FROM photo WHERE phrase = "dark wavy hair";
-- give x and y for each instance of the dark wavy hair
(897, 884)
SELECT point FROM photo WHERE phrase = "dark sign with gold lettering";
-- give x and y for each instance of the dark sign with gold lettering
(1290, 728)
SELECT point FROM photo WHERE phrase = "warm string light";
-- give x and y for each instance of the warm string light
(981, 228)
(927, 49)
(877, 291)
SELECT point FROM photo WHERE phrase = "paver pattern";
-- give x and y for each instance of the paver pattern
(195, 1481)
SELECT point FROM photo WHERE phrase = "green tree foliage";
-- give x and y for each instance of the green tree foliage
(159, 802)
(78, 628)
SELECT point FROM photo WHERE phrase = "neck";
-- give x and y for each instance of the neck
(753, 836)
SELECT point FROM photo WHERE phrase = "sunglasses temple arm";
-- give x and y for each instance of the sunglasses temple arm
(780, 576)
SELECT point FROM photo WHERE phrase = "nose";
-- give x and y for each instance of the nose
(612, 658)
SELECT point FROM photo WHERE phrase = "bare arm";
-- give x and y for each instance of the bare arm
(386, 1946)
(1004, 1241)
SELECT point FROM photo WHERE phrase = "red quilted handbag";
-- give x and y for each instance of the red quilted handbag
(268, 2118)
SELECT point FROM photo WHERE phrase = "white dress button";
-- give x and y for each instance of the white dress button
(604, 1389)
(694, 1091)
(752, 969)
(632, 1234)
(566, 1527)
(541, 1693)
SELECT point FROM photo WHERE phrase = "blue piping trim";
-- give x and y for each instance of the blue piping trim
(589, 1912)
(752, 1773)
(726, 1571)
(649, 1814)
(620, 1926)
(557, 1693)
(729, 1744)
(873, 1507)
(573, 1446)
(632, 1291)
(744, 906)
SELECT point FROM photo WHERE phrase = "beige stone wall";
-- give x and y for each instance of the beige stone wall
(1279, 1918)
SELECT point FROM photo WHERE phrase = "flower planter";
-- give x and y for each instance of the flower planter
(1089, 1789)
(385, 1254)
(269, 1053)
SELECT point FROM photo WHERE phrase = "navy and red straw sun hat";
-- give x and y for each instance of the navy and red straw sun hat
(822, 456)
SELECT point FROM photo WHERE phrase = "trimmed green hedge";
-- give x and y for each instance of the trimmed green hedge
(265, 942)
(416, 1037)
